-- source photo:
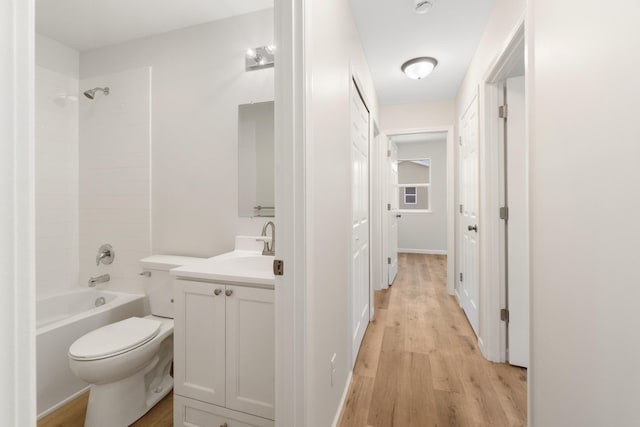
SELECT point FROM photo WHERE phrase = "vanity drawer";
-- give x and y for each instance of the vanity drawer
(194, 413)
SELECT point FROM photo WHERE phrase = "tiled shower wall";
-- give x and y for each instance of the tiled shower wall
(115, 187)
(56, 181)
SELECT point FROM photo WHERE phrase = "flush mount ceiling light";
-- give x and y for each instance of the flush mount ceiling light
(419, 68)
(424, 6)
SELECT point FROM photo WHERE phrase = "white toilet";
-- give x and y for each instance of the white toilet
(127, 363)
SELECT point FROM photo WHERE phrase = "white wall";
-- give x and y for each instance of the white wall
(585, 288)
(417, 116)
(198, 82)
(426, 232)
(115, 145)
(335, 52)
(17, 306)
(503, 21)
(56, 166)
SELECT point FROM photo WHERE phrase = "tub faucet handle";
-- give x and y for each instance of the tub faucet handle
(105, 255)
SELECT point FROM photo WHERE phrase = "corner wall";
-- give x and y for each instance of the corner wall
(199, 79)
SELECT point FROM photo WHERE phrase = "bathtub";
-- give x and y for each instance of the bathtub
(60, 320)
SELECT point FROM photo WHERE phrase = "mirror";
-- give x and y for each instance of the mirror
(256, 160)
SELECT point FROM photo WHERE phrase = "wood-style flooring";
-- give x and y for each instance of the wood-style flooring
(419, 364)
(72, 414)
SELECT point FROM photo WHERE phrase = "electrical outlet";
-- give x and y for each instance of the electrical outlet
(332, 367)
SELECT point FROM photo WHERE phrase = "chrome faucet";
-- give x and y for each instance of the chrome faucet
(100, 279)
(269, 245)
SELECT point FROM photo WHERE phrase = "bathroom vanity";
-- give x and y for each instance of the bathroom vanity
(224, 342)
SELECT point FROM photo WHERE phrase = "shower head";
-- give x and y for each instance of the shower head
(91, 93)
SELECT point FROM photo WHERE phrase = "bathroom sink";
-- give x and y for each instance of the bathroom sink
(237, 267)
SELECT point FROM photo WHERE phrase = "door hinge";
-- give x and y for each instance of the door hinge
(461, 277)
(460, 140)
(503, 111)
(461, 208)
(388, 153)
(388, 206)
(504, 315)
(389, 260)
(504, 213)
(278, 267)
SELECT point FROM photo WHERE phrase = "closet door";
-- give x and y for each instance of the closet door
(360, 220)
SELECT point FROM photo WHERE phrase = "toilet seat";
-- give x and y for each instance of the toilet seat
(115, 339)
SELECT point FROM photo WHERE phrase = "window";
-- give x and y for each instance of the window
(414, 184)
(410, 196)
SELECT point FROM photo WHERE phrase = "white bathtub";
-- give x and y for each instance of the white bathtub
(62, 319)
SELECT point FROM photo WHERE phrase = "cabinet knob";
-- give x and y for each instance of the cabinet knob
(217, 291)
(224, 425)
(228, 292)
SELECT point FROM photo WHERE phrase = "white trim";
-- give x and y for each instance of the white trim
(17, 215)
(343, 400)
(290, 172)
(414, 211)
(422, 251)
(492, 281)
(451, 194)
(64, 402)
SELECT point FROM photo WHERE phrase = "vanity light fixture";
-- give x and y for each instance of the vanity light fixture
(419, 68)
(259, 58)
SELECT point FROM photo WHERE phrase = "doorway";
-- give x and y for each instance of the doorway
(419, 197)
(504, 211)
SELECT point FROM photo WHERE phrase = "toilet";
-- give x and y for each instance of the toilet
(128, 363)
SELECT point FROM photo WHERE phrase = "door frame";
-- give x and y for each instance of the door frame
(291, 113)
(451, 194)
(492, 275)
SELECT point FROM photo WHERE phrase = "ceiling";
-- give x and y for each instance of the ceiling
(88, 24)
(392, 33)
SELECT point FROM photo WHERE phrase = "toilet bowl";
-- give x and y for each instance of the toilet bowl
(128, 363)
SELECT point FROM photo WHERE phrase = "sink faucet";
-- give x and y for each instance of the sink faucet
(100, 279)
(269, 246)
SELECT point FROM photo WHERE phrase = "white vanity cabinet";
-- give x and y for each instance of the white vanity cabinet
(224, 355)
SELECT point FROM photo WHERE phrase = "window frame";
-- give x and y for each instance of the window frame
(416, 186)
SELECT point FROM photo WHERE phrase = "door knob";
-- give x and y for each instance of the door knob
(228, 292)
(473, 228)
(398, 216)
(217, 291)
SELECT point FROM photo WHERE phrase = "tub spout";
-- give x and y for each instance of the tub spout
(100, 279)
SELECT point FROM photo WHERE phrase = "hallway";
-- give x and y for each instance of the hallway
(419, 364)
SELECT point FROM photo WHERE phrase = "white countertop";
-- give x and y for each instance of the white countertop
(241, 267)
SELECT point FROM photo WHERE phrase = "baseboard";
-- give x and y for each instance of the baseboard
(63, 402)
(336, 419)
(422, 251)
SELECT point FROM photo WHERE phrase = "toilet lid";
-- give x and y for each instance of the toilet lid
(114, 339)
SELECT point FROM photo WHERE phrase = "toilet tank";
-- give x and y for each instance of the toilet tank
(158, 282)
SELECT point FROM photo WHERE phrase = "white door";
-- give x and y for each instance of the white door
(360, 220)
(250, 350)
(517, 225)
(199, 341)
(467, 289)
(393, 211)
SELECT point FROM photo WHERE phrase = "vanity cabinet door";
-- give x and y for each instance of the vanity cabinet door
(251, 350)
(199, 341)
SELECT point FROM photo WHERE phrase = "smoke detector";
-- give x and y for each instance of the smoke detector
(424, 6)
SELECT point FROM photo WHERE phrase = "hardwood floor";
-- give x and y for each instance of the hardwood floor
(419, 364)
(72, 414)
